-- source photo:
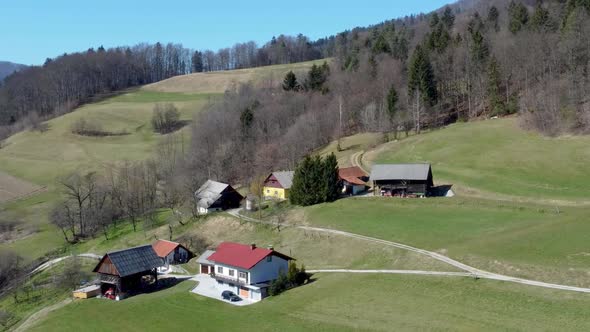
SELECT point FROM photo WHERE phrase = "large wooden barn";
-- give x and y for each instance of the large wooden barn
(122, 272)
(402, 180)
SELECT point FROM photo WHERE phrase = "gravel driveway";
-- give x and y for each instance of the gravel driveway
(208, 287)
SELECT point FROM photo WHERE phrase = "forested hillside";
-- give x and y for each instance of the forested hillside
(474, 59)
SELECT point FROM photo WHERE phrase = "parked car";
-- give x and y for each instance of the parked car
(235, 298)
(226, 295)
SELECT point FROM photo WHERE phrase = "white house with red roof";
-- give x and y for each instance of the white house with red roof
(244, 269)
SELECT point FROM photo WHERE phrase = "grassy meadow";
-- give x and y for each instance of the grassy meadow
(214, 82)
(511, 238)
(521, 210)
(497, 159)
(342, 303)
(40, 157)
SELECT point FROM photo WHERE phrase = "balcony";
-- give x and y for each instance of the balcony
(228, 279)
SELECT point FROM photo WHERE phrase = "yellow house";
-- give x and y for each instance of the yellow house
(277, 185)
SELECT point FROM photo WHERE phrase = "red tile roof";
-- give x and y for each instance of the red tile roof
(163, 247)
(242, 255)
(354, 171)
(352, 175)
(353, 180)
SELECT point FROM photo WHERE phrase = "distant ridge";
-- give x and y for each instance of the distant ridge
(7, 68)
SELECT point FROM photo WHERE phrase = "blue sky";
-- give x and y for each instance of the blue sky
(34, 30)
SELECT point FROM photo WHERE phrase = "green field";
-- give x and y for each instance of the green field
(509, 238)
(219, 81)
(497, 158)
(41, 157)
(521, 210)
(340, 302)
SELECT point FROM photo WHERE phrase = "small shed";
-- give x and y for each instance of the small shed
(402, 180)
(121, 272)
(86, 292)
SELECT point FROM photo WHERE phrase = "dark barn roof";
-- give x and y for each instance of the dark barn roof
(210, 193)
(133, 260)
(417, 172)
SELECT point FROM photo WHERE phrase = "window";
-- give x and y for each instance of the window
(220, 269)
(242, 275)
(269, 258)
(268, 191)
(276, 192)
(231, 273)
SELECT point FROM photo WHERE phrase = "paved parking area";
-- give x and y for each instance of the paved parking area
(208, 287)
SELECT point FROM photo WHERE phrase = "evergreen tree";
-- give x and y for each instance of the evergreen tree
(400, 47)
(493, 17)
(478, 46)
(380, 45)
(541, 20)
(439, 38)
(571, 5)
(497, 105)
(330, 178)
(372, 66)
(315, 181)
(421, 77)
(246, 118)
(448, 18)
(519, 17)
(197, 61)
(290, 82)
(317, 76)
(392, 99)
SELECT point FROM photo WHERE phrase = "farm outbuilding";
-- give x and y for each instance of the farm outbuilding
(402, 180)
(215, 196)
(86, 292)
(353, 180)
(122, 272)
(172, 253)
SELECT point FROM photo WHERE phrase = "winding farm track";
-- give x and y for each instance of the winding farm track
(54, 261)
(470, 270)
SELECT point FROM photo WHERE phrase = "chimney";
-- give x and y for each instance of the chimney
(252, 246)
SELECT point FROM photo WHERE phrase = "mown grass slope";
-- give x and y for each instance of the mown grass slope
(213, 82)
(343, 303)
(497, 158)
(40, 157)
(516, 239)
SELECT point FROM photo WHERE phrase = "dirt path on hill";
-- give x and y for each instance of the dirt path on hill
(415, 272)
(37, 316)
(356, 159)
(472, 271)
(54, 261)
